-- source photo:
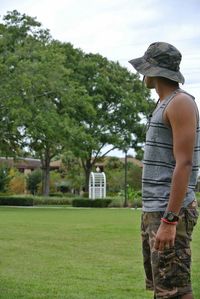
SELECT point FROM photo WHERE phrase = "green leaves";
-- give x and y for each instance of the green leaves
(54, 97)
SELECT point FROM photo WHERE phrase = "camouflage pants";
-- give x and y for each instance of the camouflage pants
(168, 272)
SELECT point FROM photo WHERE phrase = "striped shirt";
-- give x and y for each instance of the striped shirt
(159, 162)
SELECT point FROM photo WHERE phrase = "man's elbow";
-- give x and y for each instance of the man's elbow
(185, 164)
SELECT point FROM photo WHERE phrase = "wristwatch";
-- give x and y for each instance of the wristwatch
(170, 216)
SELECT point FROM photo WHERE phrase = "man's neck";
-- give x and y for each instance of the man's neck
(164, 90)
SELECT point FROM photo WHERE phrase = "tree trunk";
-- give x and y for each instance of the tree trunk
(87, 168)
(46, 181)
(46, 174)
(87, 178)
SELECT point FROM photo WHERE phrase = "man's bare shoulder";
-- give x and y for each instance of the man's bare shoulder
(182, 106)
(182, 98)
(182, 103)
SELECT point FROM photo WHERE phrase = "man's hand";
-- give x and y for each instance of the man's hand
(165, 236)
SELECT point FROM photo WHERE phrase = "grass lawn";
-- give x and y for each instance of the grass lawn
(74, 254)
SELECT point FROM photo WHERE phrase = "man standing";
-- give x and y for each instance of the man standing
(171, 164)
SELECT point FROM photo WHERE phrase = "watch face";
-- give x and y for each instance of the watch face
(170, 216)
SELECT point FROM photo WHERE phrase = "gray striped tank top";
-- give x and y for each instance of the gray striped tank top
(159, 162)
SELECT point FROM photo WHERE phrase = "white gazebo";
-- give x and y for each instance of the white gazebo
(97, 185)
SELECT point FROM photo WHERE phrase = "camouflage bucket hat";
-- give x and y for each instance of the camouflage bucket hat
(160, 60)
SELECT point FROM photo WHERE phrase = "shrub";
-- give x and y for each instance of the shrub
(61, 194)
(56, 194)
(115, 171)
(136, 203)
(33, 200)
(33, 180)
(52, 201)
(134, 198)
(117, 202)
(17, 184)
(16, 201)
(4, 178)
(112, 194)
(134, 176)
(91, 203)
(85, 194)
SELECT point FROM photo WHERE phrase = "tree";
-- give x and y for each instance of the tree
(55, 97)
(39, 93)
(51, 124)
(120, 102)
(22, 46)
(10, 134)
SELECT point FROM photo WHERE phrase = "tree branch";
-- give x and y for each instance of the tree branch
(114, 147)
(96, 156)
(83, 164)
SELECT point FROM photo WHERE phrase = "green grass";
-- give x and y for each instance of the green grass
(74, 254)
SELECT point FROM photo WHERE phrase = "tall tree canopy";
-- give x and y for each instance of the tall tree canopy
(55, 98)
(120, 102)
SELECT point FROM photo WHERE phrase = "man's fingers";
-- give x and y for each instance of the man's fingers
(159, 245)
(162, 245)
(156, 246)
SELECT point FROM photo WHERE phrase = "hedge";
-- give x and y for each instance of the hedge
(91, 203)
(26, 200)
(61, 194)
(52, 201)
(16, 201)
(33, 200)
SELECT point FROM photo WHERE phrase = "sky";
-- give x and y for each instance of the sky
(122, 29)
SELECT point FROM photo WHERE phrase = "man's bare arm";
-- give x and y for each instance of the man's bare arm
(181, 114)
